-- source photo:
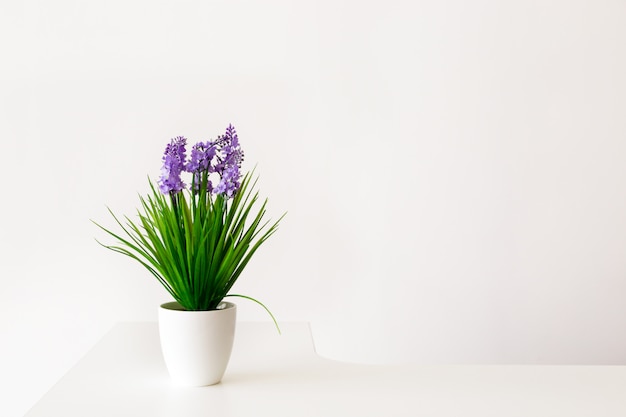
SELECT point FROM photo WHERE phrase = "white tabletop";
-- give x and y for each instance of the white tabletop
(272, 375)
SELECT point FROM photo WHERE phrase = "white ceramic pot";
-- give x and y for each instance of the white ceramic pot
(196, 345)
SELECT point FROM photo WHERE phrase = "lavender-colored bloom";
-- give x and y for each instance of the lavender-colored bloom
(228, 163)
(201, 155)
(231, 135)
(222, 156)
(173, 164)
(229, 183)
(233, 155)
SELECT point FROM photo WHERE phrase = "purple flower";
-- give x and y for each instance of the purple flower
(173, 164)
(229, 161)
(201, 155)
(222, 156)
(229, 182)
(231, 135)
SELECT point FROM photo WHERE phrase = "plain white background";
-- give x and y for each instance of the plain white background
(453, 171)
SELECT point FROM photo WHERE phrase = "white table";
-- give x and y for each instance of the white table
(272, 375)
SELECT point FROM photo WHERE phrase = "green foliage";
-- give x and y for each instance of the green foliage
(195, 244)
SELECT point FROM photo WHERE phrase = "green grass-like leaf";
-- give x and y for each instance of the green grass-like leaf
(196, 245)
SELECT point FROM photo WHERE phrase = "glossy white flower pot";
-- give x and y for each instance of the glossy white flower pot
(196, 345)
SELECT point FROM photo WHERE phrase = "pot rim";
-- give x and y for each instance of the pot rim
(175, 306)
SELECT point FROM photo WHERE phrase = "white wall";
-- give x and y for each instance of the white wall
(453, 171)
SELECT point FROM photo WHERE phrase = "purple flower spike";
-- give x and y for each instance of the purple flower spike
(173, 164)
(222, 156)
(201, 155)
(231, 134)
(229, 184)
(229, 162)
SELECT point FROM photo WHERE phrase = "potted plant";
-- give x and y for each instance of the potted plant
(196, 240)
